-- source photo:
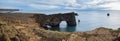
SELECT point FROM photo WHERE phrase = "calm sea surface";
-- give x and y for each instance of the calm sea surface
(90, 20)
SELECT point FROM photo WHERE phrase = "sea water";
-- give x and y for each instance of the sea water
(90, 20)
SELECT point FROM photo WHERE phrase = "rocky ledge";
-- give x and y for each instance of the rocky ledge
(23, 27)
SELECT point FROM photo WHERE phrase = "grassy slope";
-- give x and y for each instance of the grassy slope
(19, 27)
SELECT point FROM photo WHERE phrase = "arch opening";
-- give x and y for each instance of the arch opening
(63, 24)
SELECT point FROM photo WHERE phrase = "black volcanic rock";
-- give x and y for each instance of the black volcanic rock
(55, 19)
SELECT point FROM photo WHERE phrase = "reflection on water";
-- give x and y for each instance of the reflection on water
(90, 20)
(66, 29)
(71, 28)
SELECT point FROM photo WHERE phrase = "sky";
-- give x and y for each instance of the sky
(38, 5)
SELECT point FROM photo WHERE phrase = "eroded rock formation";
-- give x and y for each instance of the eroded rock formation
(55, 19)
(23, 27)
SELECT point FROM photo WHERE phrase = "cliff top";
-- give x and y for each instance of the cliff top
(22, 27)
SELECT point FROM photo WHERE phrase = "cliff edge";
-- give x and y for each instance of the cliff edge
(23, 27)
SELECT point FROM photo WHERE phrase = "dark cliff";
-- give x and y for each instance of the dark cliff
(55, 19)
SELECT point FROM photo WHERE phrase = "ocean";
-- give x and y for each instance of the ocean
(90, 20)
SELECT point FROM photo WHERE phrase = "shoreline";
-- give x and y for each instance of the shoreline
(23, 27)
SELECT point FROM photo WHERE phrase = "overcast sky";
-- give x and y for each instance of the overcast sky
(32, 5)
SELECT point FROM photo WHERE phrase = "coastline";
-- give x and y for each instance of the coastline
(23, 27)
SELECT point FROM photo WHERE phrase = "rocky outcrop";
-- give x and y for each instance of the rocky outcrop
(23, 27)
(55, 19)
(41, 19)
(99, 34)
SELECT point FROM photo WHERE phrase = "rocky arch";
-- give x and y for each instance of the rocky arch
(55, 19)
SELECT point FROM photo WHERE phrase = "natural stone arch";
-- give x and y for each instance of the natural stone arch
(55, 19)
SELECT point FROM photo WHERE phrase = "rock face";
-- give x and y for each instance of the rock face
(55, 19)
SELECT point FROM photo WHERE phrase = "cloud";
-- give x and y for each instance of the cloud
(71, 8)
(72, 3)
(100, 4)
(7, 7)
(112, 6)
(43, 7)
(56, 4)
(61, 4)
(51, 2)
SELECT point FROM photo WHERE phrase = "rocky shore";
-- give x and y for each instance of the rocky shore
(23, 27)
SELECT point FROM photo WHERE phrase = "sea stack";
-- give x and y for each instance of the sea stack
(108, 14)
